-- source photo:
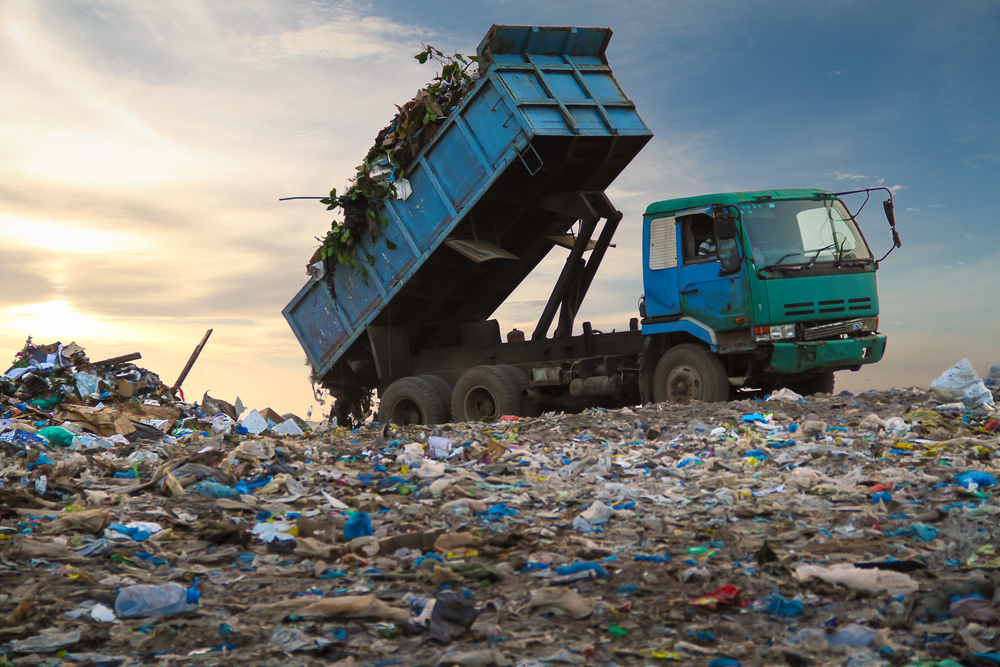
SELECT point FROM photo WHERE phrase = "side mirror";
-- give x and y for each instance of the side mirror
(725, 226)
(890, 215)
(727, 233)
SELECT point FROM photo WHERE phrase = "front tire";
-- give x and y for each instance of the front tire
(688, 373)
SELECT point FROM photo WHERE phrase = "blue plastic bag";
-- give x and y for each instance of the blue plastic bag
(980, 479)
(921, 531)
(665, 558)
(780, 606)
(359, 525)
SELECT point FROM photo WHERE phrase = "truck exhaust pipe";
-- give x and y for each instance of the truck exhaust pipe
(568, 403)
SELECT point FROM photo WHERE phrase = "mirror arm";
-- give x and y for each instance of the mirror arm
(890, 215)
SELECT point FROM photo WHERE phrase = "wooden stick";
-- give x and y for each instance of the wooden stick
(190, 363)
(114, 361)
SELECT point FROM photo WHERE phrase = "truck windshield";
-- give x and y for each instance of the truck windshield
(797, 232)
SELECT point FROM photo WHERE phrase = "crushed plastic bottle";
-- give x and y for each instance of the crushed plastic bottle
(215, 490)
(852, 635)
(144, 600)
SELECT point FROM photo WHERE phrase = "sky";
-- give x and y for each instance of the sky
(144, 145)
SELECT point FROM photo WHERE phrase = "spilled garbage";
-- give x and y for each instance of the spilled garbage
(846, 529)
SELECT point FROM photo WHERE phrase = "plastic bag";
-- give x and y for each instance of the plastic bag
(359, 525)
(597, 514)
(962, 383)
(57, 437)
(87, 384)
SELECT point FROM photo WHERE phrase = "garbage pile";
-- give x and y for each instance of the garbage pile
(848, 529)
(53, 394)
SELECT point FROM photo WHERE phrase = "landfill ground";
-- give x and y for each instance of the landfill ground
(827, 530)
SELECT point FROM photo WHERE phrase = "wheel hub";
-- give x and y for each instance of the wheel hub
(406, 413)
(684, 384)
(480, 403)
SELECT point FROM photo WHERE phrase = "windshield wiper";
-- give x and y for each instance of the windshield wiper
(818, 252)
(783, 258)
(838, 246)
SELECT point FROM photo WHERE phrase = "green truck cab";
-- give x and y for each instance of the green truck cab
(756, 289)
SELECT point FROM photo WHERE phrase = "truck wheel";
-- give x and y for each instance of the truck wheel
(522, 383)
(821, 383)
(484, 393)
(443, 389)
(690, 373)
(410, 401)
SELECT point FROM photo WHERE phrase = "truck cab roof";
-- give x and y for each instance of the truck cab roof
(669, 206)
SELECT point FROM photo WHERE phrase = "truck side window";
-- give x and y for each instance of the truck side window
(698, 233)
(662, 243)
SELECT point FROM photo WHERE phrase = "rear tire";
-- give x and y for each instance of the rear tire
(688, 373)
(528, 407)
(484, 393)
(443, 389)
(410, 401)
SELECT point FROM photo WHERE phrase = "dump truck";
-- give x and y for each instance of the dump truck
(742, 291)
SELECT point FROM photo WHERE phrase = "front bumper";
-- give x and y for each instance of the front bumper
(830, 354)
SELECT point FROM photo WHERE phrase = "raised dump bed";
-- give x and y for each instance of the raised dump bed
(491, 193)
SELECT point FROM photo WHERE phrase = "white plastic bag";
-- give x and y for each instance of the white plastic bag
(784, 394)
(962, 383)
(597, 514)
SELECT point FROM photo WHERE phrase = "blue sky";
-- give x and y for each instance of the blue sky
(145, 145)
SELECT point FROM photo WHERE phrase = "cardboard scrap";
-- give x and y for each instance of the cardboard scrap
(104, 422)
(348, 606)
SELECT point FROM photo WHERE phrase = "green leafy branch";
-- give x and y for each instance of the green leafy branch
(448, 86)
(394, 148)
(361, 205)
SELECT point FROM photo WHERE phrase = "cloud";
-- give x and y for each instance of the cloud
(24, 278)
(145, 148)
(348, 37)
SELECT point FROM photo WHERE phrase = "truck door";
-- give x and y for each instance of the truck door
(660, 268)
(706, 294)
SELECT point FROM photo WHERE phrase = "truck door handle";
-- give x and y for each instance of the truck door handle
(689, 291)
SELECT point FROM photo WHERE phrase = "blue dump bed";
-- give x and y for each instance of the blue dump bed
(546, 117)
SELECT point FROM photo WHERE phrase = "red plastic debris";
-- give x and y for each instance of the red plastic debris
(728, 594)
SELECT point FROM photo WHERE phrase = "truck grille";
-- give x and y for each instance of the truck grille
(832, 329)
(830, 307)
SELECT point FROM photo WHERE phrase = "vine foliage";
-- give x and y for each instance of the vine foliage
(382, 173)
(381, 176)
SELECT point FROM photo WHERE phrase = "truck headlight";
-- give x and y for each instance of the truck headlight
(774, 332)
